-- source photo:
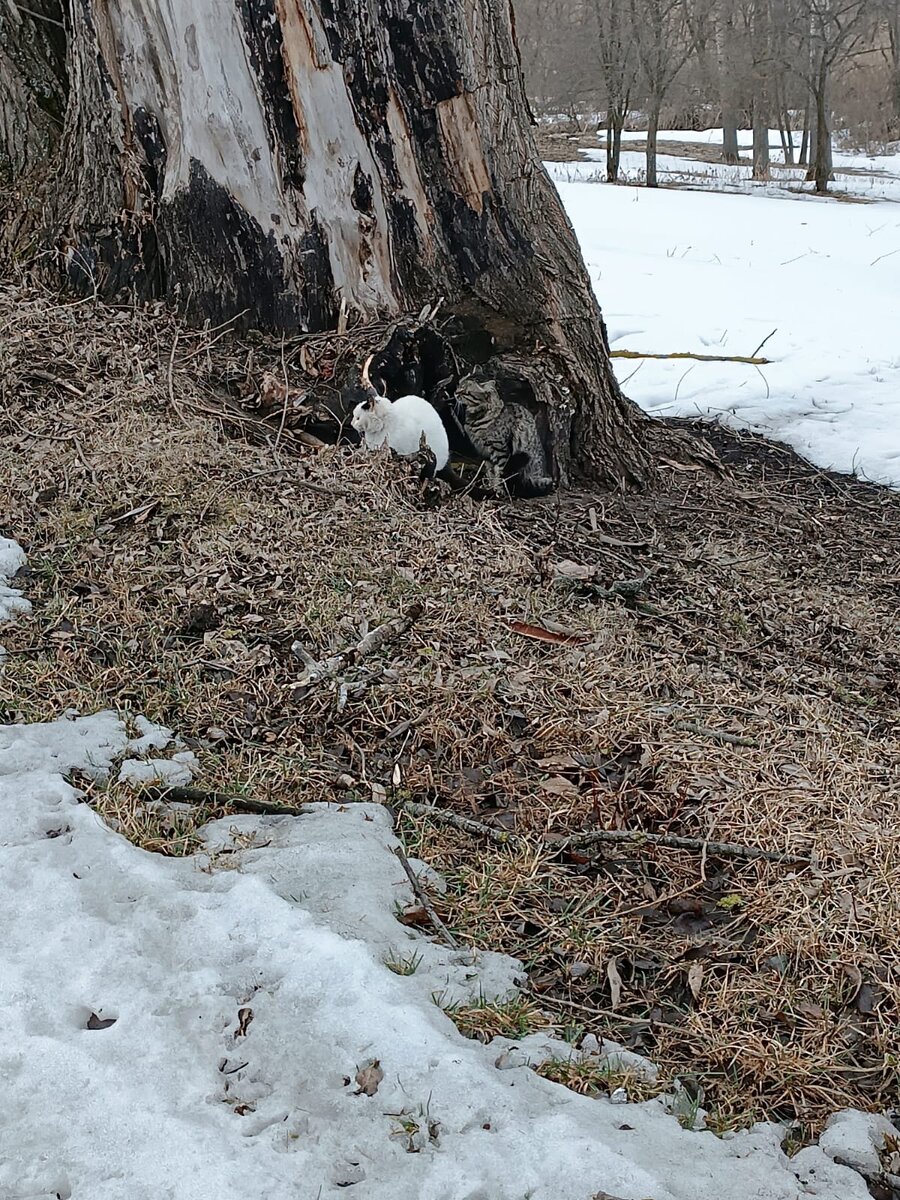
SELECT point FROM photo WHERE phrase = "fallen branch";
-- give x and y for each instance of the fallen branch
(715, 735)
(46, 377)
(327, 668)
(444, 816)
(735, 358)
(189, 795)
(673, 841)
(423, 900)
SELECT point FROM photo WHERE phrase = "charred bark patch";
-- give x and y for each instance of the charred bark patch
(150, 137)
(471, 236)
(263, 35)
(317, 287)
(416, 360)
(233, 267)
(361, 196)
(121, 264)
(423, 54)
(407, 248)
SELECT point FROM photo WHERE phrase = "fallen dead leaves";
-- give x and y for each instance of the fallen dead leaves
(368, 1078)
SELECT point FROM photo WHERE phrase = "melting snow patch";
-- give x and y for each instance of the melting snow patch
(88, 744)
(12, 603)
(176, 771)
(858, 1139)
(150, 737)
(176, 1029)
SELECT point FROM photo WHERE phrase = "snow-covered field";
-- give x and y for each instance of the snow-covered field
(226, 1026)
(700, 269)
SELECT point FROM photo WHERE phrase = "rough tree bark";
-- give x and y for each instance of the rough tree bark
(32, 84)
(730, 149)
(284, 160)
(725, 37)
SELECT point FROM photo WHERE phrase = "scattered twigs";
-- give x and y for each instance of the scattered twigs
(327, 668)
(189, 795)
(675, 842)
(715, 735)
(752, 359)
(235, 483)
(405, 726)
(726, 849)
(444, 816)
(424, 901)
(47, 377)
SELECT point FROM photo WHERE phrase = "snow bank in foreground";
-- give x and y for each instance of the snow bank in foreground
(177, 1029)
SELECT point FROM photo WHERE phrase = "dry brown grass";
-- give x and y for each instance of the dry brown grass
(174, 563)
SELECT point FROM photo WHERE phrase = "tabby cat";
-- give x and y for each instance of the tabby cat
(506, 437)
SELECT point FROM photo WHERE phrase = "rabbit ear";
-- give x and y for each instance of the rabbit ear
(366, 380)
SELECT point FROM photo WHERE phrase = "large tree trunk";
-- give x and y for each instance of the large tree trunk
(730, 148)
(281, 160)
(32, 85)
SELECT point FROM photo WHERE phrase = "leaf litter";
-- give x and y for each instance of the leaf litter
(183, 553)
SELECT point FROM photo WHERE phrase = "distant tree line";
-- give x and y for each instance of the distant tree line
(805, 67)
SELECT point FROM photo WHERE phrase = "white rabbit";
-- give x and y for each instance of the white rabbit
(401, 423)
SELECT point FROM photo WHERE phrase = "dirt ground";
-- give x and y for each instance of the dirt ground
(716, 659)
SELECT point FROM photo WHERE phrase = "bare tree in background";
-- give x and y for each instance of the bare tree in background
(890, 12)
(730, 64)
(558, 57)
(758, 35)
(618, 66)
(662, 45)
(829, 31)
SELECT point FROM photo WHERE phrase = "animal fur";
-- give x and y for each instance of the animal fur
(506, 437)
(401, 423)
